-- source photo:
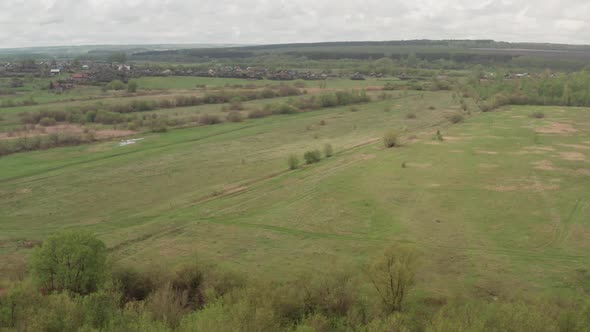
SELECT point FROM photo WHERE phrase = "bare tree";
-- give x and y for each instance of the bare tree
(392, 275)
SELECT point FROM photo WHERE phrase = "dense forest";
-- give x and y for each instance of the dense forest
(461, 53)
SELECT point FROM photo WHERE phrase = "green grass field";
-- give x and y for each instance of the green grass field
(499, 208)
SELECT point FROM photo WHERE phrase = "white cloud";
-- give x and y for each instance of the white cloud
(69, 22)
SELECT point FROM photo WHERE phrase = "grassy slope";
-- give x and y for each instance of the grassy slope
(474, 204)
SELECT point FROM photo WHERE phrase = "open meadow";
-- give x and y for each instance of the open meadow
(497, 205)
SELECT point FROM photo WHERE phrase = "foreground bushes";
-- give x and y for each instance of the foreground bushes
(197, 297)
(73, 262)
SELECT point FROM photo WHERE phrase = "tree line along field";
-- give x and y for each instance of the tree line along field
(495, 204)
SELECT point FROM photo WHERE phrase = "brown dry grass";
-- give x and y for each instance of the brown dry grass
(419, 165)
(67, 129)
(574, 156)
(234, 190)
(365, 156)
(524, 187)
(544, 165)
(486, 152)
(576, 146)
(557, 128)
(488, 165)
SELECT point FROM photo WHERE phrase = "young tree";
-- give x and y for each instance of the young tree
(328, 151)
(132, 86)
(116, 85)
(390, 139)
(392, 275)
(72, 261)
(293, 162)
(312, 156)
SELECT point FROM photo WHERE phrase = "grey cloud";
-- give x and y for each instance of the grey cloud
(69, 22)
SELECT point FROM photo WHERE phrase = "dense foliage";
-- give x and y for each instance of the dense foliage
(546, 89)
(73, 262)
(202, 298)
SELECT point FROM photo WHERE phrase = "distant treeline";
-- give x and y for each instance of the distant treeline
(88, 113)
(464, 52)
(547, 89)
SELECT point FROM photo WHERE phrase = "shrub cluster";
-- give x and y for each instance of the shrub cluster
(234, 116)
(23, 144)
(391, 139)
(312, 156)
(89, 112)
(11, 103)
(456, 118)
(207, 119)
(292, 106)
(72, 288)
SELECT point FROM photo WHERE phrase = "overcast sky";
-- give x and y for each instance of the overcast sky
(82, 22)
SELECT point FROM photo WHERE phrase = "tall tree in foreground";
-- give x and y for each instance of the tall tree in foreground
(70, 261)
(392, 275)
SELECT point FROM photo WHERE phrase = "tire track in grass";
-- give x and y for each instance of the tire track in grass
(565, 231)
(558, 224)
(148, 236)
(561, 226)
(346, 237)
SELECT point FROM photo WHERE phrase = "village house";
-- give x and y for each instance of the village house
(124, 68)
(61, 85)
(357, 77)
(79, 78)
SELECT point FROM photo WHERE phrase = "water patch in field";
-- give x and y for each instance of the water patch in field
(129, 141)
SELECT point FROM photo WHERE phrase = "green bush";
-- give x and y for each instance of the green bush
(168, 305)
(236, 105)
(158, 126)
(134, 284)
(207, 119)
(116, 85)
(188, 281)
(46, 122)
(256, 114)
(438, 136)
(456, 118)
(392, 275)
(391, 139)
(234, 116)
(293, 162)
(70, 261)
(389, 86)
(328, 151)
(132, 86)
(312, 156)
